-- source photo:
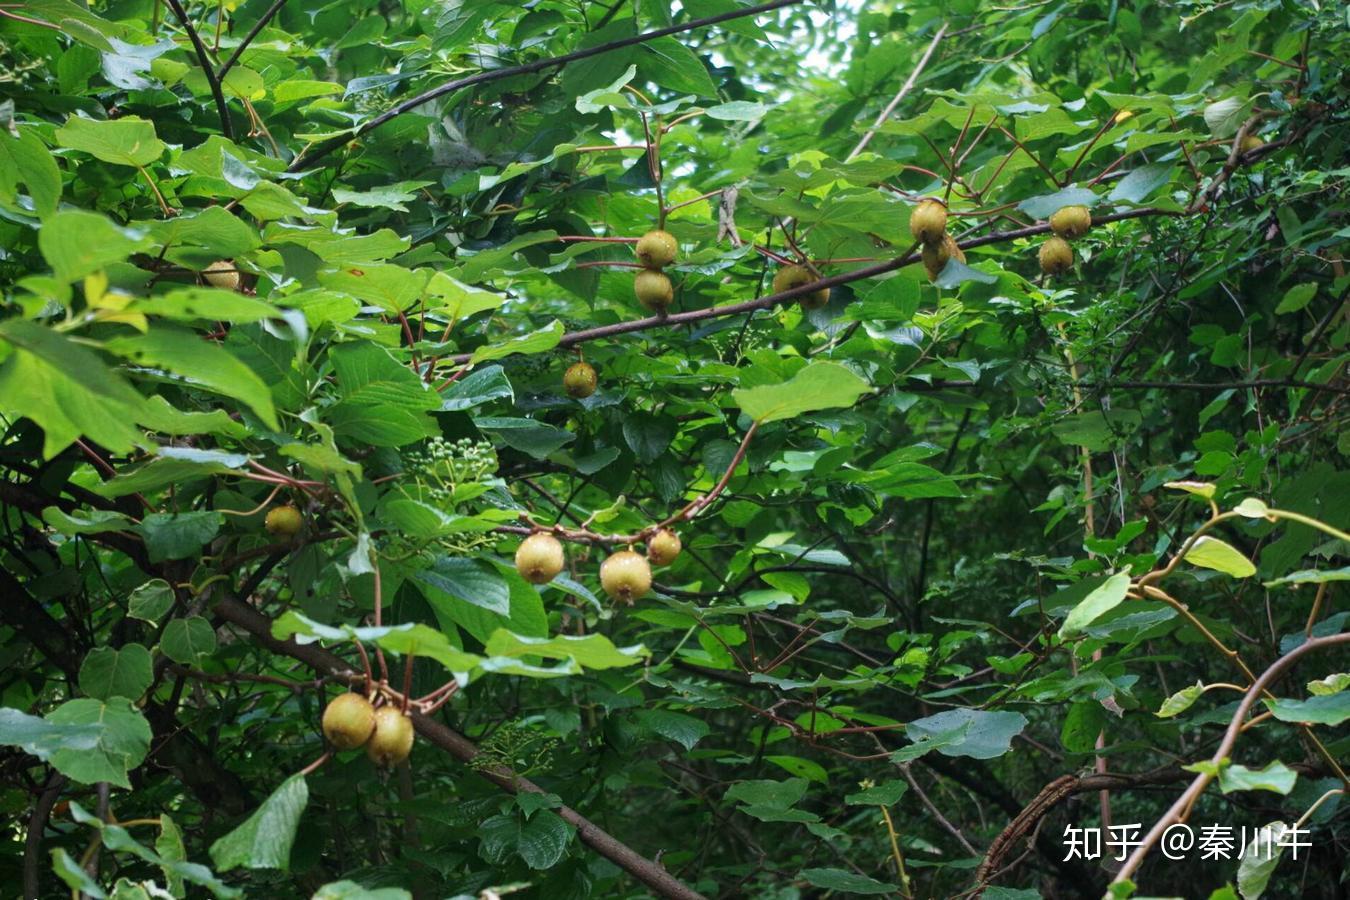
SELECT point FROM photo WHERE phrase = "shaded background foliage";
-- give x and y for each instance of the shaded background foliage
(872, 569)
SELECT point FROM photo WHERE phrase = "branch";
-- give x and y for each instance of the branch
(248, 38)
(732, 309)
(1183, 803)
(900, 95)
(205, 60)
(648, 872)
(327, 147)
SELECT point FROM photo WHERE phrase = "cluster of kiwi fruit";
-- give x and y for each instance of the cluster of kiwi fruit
(1068, 223)
(625, 575)
(928, 224)
(655, 250)
(351, 721)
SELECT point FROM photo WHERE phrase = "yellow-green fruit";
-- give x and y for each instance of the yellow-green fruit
(1071, 222)
(539, 558)
(393, 738)
(928, 221)
(1056, 256)
(579, 380)
(222, 274)
(348, 721)
(1250, 143)
(283, 521)
(653, 289)
(663, 547)
(626, 576)
(789, 277)
(656, 249)
(935, 256)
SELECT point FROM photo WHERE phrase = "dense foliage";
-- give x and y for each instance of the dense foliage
(989, 535)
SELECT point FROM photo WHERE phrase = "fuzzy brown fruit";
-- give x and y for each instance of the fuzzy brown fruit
(663, 547)
(1056, 256)
(579, 381)
(393, 737)
(656, 249)
(348, 721)
(935, 256)
(222, 274)
(283, 521)
(539, 558)
(789, 277)
(1071, 222)
(1249, 143)
(653, 289)
(928, 221)
(626, 576)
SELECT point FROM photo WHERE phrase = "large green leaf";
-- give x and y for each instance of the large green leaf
(128, 141)
(820, 385)
(116, 672)
(122, 745)
(264, 839)
(1102, 600)
(1212, 553)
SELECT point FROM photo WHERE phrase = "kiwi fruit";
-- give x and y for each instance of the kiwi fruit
(663, 547)
(392, 739)
(1249, 143)
(222, 274)
(580, 381)
(539, 558)
(935, 256)
(1056, 256)
(1071, 222)
(283, 521)
(348, 721)
(626, 576)
(928, 221)
(789, 277)
(653, 289)
(656, 249)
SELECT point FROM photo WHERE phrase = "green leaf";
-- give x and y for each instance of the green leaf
(471, 580)
(678, 727)
(74, 875)
(1259, 860)
(150, 601)
(847, 882)
(170, 536)
(1297, 297)
(1328, 709)
(540, 341)
(350, 890)
(174, 465)
(768, 793)
(820, 385)
(76, 243)
(538, 439)
(979, 734)
(1199, 488)
(1181, 701)
(384, 403)
(1212, 553)
(1332, 684)
(65, 388)
(42, 738)
(1105, 598)
(673, 66)
(1136, 187)
(264, 840)
(187, 640)
(122, 746)
(1275, 777)
(108, 672)
(128, 141)
(888, 793)
(24, 159)
(591, 651)
(1045, 206)
(476, 389)
(201, 363)
(543, 840)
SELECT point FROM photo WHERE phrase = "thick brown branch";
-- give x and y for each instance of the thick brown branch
(204, 59)
(732, 309)
(539, 65)
(649, 873)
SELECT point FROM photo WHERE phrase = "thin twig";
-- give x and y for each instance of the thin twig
(899, 95)
(248, 38)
